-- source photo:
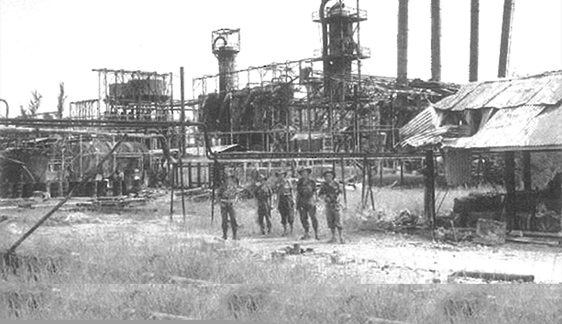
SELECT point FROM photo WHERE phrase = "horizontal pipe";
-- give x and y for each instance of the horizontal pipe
(313, 155)
(65, 123)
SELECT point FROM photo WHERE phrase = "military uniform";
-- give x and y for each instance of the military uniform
(306, 205)
(330, 191)
(263, 194)
(227, 195)
(285, 203)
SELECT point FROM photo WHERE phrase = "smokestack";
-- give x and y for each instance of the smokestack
(508, 7)
(402, 42)
(435, 40)
(226, 46)
(474, 33)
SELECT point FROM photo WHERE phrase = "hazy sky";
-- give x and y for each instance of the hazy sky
(44, 42)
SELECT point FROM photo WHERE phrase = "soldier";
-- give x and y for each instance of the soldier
(263, 194)
(227, 195)
(285, 202)
(330, 191)
(306, 202)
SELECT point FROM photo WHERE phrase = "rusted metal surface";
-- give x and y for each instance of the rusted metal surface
(528, 127)
(543, 89)
(526, 114)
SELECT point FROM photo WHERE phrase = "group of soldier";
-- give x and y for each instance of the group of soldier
(306, 201)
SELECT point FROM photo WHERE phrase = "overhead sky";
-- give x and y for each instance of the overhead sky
(44, 42)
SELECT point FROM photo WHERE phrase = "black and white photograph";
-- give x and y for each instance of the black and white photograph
(312, 161)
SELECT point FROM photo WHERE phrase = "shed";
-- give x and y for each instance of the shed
(503, 116)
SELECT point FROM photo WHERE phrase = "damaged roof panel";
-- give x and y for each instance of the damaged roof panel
(543, 89)
(527, 127)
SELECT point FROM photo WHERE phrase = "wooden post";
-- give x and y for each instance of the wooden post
(343, 181)
(401, 173)
(189, 175)
(429, 194)
(527, 182)
(381, 167)
(509, 179)
(198, 174)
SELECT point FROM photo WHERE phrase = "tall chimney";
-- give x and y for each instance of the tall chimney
(474, 33)
(402, 72)
(508, 7)
(226, 45)
(435, 40)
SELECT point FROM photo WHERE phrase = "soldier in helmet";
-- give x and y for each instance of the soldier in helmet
(286, 204)
(330, 192)
(228, 194)
(306, 202)
(263, 193)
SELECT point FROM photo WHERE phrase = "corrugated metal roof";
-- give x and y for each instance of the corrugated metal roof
(423, 122)
(527, 127)
(542, 89)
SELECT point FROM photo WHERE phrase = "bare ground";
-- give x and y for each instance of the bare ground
(366, 258)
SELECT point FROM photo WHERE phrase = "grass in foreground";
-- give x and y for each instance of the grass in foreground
(126, 274)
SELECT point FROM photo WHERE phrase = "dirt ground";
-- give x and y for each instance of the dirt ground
(367, 257)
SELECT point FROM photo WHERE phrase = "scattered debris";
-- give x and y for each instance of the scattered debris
(490, 232)
(26, 204)
(529, 240)
(492, 276)
(296, 249)
(40, 196)
(468, 305)
(245, 300)
(164, 316)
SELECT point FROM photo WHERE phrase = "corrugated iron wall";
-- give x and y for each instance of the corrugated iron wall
(458, 167)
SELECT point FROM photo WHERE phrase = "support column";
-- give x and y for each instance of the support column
(527, 182)
(429, 193)
(509, 180)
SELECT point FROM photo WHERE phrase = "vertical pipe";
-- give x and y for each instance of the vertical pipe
(436, 40)
(402, 71)
(358, 46)
(505, 43)
(325, 59)
(172, 192)
(182, 150)
(343, 181)
(474, 39)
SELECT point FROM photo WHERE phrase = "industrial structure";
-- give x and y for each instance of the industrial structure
(322, 104)
(318, 111)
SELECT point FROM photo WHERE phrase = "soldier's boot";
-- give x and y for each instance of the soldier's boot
(306, 236)
(234, 237)
(316, 237)
(224, 234)
(333, 239)
(342, 241)
(291, 226)
(269, 230)
(284, 230)
(262, 231)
